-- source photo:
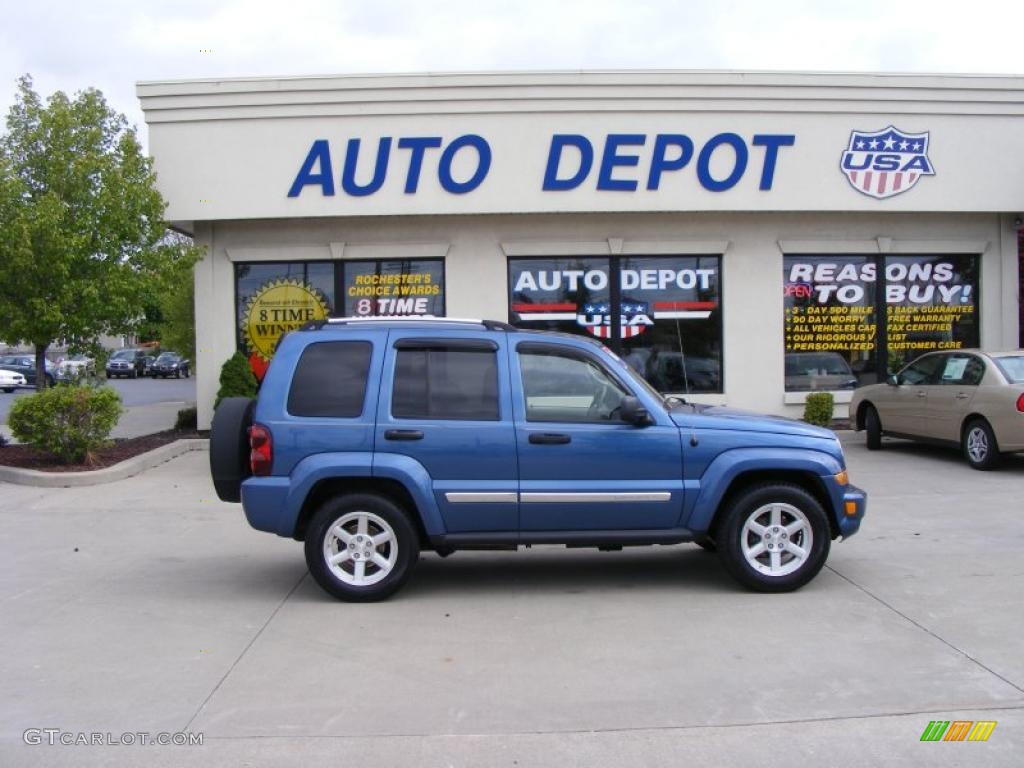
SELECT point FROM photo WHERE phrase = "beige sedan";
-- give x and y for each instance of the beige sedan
(968, 398)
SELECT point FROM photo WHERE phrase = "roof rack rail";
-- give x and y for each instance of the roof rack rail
(491, 325)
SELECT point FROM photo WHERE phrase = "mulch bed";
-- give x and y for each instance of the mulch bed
(26, 457)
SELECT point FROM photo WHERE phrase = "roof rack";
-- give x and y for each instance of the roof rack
(491, 325)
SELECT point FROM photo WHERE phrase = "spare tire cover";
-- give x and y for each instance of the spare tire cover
(229, 446)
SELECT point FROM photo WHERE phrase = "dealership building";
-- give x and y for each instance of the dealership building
(738, 238)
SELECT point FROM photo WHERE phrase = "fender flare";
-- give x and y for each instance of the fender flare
(730, 464)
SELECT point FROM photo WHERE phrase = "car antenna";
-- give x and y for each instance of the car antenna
(686, 379)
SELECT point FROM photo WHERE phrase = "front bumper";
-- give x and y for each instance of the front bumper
(851, 510)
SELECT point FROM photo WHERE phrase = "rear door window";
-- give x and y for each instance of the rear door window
(330, 379)
(437, 382)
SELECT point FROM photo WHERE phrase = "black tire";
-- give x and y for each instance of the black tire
(731, 536)
(873, 426)
(320, 541)
(229, 446)
(979, 445)
(8, 390)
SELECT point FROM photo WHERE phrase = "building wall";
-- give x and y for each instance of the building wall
(475, 249)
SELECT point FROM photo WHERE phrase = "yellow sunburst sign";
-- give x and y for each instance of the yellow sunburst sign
(276, 308)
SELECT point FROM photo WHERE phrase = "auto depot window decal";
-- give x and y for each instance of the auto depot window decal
(668, 311)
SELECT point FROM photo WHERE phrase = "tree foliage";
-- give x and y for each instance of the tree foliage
(70, 422)
(83, 247)
(178, 323)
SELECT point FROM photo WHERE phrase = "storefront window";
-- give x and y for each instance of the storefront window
(379, 288)
(830, 322)
(668, 310)
(931, 303)
(834, 336)
(272, 298)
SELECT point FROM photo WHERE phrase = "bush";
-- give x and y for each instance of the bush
(818, 408)
(187, 420)
(69, 422)
(236, 379)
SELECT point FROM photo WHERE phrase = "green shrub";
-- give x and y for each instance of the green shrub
(236, 379)
(187, 420)
(818, 408)
(69, 422)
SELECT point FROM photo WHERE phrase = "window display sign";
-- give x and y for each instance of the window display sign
(394, 288)
(667, 309)
(274, 298)
(832, 326)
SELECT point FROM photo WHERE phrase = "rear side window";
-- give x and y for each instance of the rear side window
(330, 379)
(439, 383)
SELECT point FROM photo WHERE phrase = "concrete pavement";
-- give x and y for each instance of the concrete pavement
(173, 615)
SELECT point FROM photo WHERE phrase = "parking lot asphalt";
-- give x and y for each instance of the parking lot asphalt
(134, 392)
(147, 605)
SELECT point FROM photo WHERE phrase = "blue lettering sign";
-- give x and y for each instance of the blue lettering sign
(771, 143)
(380, 168)
(559, 142)
(659, 160)
(611, 159)
(444, 171)
(708, 181)
(418, 146)
(320, 153)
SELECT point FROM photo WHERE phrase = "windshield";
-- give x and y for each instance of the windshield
(1012, 367)
(124, 354)
(167, 357)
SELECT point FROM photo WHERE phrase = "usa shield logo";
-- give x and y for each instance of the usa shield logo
(596, 319)
(885, 163)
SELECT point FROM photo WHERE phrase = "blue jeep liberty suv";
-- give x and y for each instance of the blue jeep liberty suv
(374, 439)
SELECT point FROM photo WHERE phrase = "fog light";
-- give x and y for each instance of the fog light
(851, 507)
(843, 478)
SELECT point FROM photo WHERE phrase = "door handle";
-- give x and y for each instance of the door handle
(919, 394)
(962, 395)
(549, 438)
(403, 434)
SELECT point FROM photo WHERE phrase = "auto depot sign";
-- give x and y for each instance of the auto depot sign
(355, 148)
(625, 161)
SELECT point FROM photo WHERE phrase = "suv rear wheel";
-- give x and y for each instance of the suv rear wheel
(775, 538)
(361, 547)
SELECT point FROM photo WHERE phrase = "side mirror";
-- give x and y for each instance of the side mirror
(894, 380)
(633, 413)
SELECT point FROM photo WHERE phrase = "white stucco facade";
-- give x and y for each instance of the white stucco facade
(255, 169)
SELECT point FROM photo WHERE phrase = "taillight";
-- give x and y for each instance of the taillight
(261, 450)
(1020, 402)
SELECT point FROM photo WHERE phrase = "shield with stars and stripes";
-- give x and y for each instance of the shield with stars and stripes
(885, 163)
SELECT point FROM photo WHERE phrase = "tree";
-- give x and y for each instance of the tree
(82, 237)
(178, 308)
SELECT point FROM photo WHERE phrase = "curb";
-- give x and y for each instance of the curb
(119, 471)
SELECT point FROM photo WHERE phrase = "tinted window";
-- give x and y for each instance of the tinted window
(330, 379)
(564, 388)
(445, 384)
(923, 371)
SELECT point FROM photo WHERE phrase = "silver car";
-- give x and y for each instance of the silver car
(967, 398)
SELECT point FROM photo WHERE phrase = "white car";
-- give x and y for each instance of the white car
(75, 366)
(9, 380)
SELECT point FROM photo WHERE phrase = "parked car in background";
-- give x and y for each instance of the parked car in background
(26, 366)
(968, 398)
(129, 363)
(9, 380)
(811, 371)
(170, 364)
(147, 365)
(75, 367)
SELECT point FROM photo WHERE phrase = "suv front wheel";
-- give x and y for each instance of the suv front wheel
(775, 537)
(361, 547)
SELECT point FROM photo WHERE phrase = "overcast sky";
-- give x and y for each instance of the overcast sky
(111, 44)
